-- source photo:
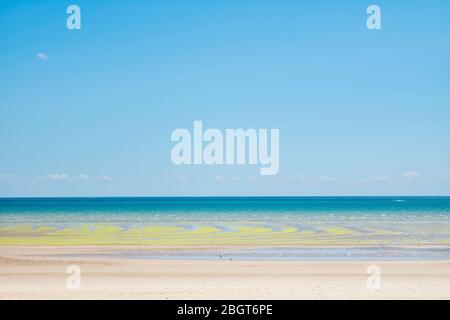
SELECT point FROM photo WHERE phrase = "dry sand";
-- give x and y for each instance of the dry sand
(40, 273)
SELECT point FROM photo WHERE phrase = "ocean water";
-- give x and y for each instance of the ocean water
(243, 227)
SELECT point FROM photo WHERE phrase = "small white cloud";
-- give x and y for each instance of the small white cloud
(300, 178)
(8, 177)
(42, 56)
(83, 176)
(55, 177)
(376, 179)
(224, 179)
(411, 175)
(58, 176)
(326, 179)
(104, 178)
(292, 179)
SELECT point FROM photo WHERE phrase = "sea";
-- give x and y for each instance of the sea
(267, 228)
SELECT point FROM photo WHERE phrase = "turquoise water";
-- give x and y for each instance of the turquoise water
(309, 228)
(42, 210)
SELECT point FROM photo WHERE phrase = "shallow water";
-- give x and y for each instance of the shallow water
(375, 224)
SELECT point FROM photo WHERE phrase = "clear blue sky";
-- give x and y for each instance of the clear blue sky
(360, 112)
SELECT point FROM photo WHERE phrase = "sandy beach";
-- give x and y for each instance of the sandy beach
(35, 272)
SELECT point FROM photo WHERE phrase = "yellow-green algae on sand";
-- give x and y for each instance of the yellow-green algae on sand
(257, 234)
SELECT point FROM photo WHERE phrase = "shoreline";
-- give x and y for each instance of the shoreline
(232, 252)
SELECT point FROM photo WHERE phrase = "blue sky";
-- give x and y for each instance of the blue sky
(90, 112)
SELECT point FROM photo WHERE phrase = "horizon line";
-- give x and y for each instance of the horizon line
(228, 196)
